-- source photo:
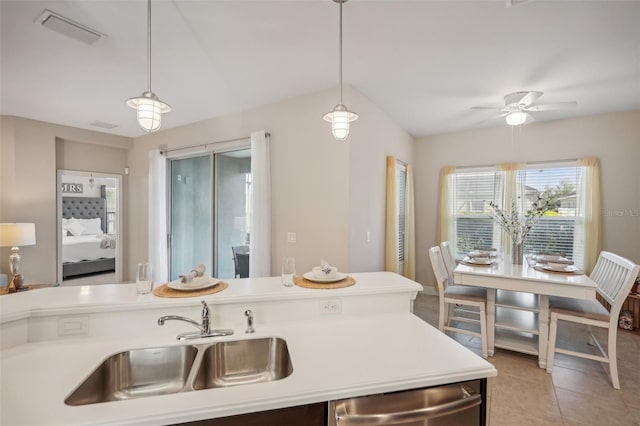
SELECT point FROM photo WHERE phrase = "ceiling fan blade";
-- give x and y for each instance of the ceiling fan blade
(530, 98)
(551, 107)
(492, 118)
(487, 107)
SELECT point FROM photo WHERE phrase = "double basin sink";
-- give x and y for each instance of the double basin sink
(165, 370)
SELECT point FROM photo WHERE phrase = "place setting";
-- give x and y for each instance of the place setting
(324, 276)
(552, 262)
(482, 256)
(192, 284)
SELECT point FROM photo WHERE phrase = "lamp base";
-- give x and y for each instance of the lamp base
(17, 284)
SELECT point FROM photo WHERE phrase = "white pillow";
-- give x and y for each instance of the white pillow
(75, 228)
(91, 226)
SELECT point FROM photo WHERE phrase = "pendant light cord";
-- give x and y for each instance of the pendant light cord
(149, 42)
(340, 59)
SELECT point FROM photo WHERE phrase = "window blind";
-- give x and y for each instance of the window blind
(474, 227)
(401, 182)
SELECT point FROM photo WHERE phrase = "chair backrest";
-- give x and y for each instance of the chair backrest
(238, 250)
(449, 259)
(615, 276)
(439, 270)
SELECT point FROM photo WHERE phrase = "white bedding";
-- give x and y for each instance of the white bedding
(84, 247)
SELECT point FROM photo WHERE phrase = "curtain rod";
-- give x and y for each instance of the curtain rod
(204, 145)
(532, 163)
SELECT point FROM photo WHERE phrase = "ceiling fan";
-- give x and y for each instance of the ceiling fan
(518, 106)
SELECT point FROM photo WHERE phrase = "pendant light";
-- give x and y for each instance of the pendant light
(340, 117)
(149, 107)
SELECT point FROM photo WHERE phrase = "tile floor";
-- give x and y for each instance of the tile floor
(578, 392)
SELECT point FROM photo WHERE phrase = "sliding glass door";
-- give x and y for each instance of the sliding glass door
(209, 212)
(191, 214)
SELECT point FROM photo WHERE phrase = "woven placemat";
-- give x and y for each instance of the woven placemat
(541, 269)
(165, 291)
(301, 281)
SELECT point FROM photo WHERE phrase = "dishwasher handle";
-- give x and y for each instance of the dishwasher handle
(345, 419)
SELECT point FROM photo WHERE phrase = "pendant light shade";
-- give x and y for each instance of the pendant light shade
(149, 107)
(340, 117)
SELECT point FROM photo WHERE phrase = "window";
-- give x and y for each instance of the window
(473, 191)
(561, 229)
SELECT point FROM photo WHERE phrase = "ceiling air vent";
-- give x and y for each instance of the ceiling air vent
(66, 26)
(104, 125)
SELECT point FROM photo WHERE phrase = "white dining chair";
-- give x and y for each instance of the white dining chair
(615, 276)
(449, 259)
(452, 295)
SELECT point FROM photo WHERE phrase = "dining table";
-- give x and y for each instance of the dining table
(518, 301)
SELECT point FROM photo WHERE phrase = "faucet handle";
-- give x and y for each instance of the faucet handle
(249, 316)
(205, 309)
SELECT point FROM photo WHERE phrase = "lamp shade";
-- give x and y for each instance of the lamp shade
(17, 234)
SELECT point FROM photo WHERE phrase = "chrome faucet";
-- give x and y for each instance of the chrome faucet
(205, 327)
(249, 316)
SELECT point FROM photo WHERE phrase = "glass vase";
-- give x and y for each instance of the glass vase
(516, 254)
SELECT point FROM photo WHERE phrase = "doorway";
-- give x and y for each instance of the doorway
(89, 218)
(209, 211)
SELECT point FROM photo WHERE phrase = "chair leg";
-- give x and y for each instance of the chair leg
(483, 329)
(551, 345)
(442, 316)
(613, 358)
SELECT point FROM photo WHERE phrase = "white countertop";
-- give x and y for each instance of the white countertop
(123, 297)
(333, 357)
(374, 344)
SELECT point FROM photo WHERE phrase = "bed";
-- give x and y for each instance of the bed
(88, 249)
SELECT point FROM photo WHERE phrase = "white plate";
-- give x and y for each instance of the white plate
(312, 277)
(177, 285)
(482, 253)
(476, 261)
(562, 268)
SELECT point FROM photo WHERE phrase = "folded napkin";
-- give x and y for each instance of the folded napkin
(324, 270)
(198, 271)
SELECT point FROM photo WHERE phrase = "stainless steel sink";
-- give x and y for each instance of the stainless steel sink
(165, 370)
(137, 373)
(242, 362)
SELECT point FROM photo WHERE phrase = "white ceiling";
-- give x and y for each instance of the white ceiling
(425, 63)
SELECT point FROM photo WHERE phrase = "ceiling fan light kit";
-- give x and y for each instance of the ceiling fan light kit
(148, 106)
(340, 116)
(518, 106)
(516, 118)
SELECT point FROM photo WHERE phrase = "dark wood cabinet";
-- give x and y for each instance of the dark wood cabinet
(307, 415)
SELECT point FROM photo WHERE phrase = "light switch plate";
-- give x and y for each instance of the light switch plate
(73, 326)
(291, 237)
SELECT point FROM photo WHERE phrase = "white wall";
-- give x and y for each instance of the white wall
(613, 138)
(317, 189)
(377, 137)
(28, 184)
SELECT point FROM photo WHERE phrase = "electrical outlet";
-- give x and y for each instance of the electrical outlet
(73, 325)
(291, 237)
(332, 306)
(368, 237)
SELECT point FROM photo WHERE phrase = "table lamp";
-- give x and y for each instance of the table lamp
(15, 235)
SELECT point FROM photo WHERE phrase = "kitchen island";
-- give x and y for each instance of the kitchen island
(51, 342)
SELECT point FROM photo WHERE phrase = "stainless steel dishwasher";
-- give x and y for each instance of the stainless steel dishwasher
(459, 404)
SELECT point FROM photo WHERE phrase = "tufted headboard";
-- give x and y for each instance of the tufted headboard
(85, 208)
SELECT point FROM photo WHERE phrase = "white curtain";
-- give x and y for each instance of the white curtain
(260, 231)
(157, 250)
(446, 230)
(589, 217)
